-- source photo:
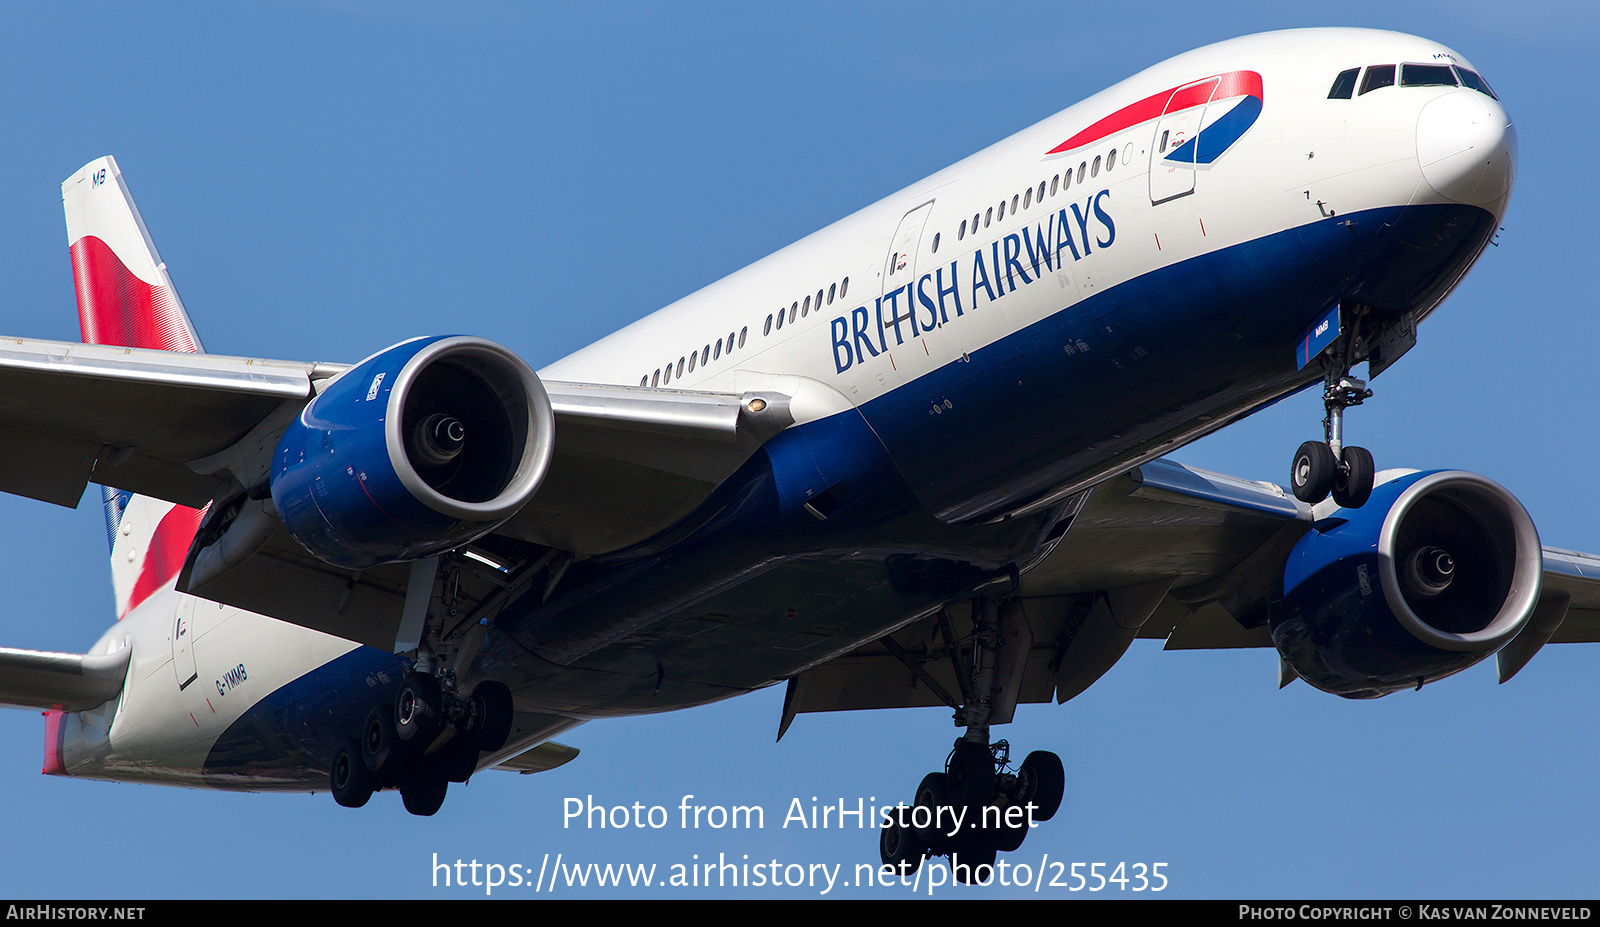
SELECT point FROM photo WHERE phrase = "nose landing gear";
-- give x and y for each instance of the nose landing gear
(1328, 466)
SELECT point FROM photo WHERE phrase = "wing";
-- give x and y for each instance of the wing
(1165, 551)
(200, 429)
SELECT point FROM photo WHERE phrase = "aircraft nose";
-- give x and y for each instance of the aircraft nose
(1467, 147)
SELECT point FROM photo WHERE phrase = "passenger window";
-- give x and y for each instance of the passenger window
(1066, 181)
(680, 366)
(1472, 80)
(805, 308)
(667, 376)
(1002, 212)
(794, 311)
(831, 289)
(781, 314)
(644, 380)
(716, 349)
(1027, 198)
(1094, 171)
(1427, 75)
(1344, 85)
(1082, 166)
(988, 216)
(1015, 199)
(768, 329)
(705, 355)
(935, 242)
(1054, 183)
(845, 283)
(742, 332)
(655, 379)
(962, 232)
(1111, 160)
(692, 358)
(1040, 195)
(1377, 77)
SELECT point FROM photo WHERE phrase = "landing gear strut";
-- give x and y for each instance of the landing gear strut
(979, 805)
(1329, 466)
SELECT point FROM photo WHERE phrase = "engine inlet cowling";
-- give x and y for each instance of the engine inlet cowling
(1435, 573)
(418, 449)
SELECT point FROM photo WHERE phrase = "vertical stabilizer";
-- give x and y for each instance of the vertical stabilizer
(124, 294)
(126, 298)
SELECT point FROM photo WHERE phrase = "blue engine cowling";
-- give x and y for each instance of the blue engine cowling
(1436, 572)
(418, 449)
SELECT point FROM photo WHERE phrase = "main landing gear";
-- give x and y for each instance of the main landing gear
(1329, 466)
(979, 805)
(977, 808)
(424, 740)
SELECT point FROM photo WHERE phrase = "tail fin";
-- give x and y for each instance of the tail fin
(126, 298)
(124, 294)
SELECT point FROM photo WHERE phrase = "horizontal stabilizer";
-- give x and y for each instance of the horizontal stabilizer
(62, 681)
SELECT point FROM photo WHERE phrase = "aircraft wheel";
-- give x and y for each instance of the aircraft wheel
(417, 708)
(424, 794)
(459, 761)
(1353, 484)
(934, 795)
(1312, 474)
(1043, 782)
(491, 705)
(972, 862)
(381, 750)
(352, 782)
(900, 847)
(1010, 836)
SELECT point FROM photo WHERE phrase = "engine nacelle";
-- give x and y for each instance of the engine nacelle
(1436, 572)
(418, 449)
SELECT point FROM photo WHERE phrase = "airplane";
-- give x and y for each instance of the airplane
(812, 503)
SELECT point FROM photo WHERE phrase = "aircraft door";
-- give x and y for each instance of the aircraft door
(183, 635)
(1180, 122)
(900, 267)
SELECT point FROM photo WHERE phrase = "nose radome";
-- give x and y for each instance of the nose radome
(1467, 147)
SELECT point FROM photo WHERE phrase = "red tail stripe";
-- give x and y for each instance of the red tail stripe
(116, 307)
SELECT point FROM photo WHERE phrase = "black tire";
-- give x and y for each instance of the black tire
(491, 705)
(1009, 837)
(417, 709)
(424, 795)
(1312, 474)
(1353, 485)
(458, 761)
(381, 750)
(933, 794)
(900, 847)
(350, 779)
(1043, 782)
(969, 776)
(972, 862)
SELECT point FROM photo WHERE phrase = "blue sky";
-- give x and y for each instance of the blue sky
(325, 179)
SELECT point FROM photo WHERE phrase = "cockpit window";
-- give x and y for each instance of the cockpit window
(1472, 81)
(1378, 75)
(1344, 85)
(1427, 75)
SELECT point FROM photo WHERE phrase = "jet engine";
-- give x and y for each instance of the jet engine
(418, 449)
(1436, 572)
